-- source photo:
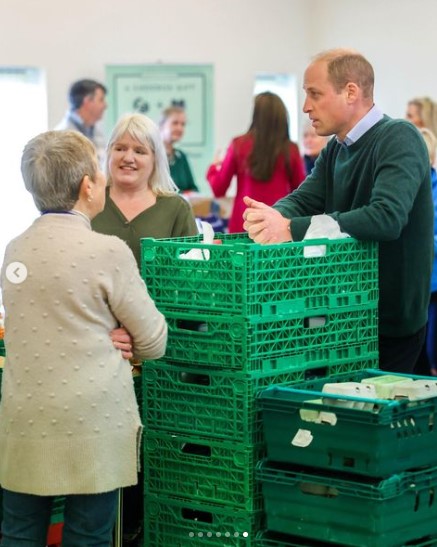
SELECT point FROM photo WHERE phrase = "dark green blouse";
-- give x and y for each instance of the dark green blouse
(171, 216)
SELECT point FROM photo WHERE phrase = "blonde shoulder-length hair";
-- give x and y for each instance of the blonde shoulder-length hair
(145, 131)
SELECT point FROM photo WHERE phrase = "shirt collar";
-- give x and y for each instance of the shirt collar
(372, 117)
(79, 123)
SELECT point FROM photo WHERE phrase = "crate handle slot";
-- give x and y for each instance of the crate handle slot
(313, 489)
(196, 379)
(192, 326)
(315, 322)
(196, 449)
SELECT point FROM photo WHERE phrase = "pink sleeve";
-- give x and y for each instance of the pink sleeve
(219, 178)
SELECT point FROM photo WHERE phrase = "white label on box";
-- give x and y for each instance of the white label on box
(302, 438)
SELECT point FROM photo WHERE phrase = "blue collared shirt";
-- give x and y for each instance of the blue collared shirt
(372, 117)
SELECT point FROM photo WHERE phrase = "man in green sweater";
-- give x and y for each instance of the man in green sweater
(373, 179)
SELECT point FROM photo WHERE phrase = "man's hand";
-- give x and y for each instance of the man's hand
(122, 340)
(265, 224)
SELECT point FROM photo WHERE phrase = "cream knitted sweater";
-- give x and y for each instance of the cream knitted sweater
(69, 421)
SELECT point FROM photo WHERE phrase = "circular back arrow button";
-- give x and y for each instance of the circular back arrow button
(16, 272)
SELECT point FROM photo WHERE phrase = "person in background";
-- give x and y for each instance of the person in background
(313, 144)
(372, 178)
(172, 127)
(422, 112)
(87, 100)
(267, 164)
(69, 423)
(141, 201)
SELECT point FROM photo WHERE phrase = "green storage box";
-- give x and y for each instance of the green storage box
(346, 509)
(395, 436)
(275, 539)
(245, 278)
(327, 336)
(214, 403)
(184, 523)
(203, 469)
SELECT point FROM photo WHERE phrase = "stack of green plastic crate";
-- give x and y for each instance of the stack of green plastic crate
(346, 470)
(242, 317)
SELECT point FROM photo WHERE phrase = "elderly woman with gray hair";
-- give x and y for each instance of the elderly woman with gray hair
(69, 422)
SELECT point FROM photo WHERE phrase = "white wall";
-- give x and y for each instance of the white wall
(398, 37)
(71, 40)
(76, 39)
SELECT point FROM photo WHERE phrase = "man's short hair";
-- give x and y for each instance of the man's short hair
(81, 89)
(348, 65)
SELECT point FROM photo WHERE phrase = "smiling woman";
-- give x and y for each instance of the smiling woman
(141, 199)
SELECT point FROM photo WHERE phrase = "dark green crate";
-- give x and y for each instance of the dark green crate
(215, 403)
(181, 523)
(393, 437)
(252, 280)
(202, 469)
(330, 336)
(345, 509)
(274, 539)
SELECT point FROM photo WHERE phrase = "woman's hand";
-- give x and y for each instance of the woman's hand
(122, 340)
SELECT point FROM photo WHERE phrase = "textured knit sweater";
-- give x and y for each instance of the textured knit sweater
(69, 421)
(378, 189)
(171, 216)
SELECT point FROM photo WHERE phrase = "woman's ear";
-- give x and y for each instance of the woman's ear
(86, 189)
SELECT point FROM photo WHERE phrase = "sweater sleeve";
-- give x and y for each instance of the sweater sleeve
(307, 200)
(133, 307)
(220, 178)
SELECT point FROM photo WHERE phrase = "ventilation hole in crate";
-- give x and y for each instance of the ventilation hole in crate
(198, 516)
(431, 497)
(417, 502)
(348, 462)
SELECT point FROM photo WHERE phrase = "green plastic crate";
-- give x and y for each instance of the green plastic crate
(187, 400)
(181, 523)
(202, 469)
(345, 509)
(274, 539)
(233, 342)
(252, 280)
(395, 436)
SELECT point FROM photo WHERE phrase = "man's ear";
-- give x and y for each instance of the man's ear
(352, 92)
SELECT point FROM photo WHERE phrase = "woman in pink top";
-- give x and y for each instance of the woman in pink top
(267, 164)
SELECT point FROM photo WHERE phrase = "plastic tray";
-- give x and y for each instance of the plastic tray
(346, 509)
(203, 469)
(179, 399)
(331, 336)
(245, 278)
(393, 437)
(274, 539)
(181, 523)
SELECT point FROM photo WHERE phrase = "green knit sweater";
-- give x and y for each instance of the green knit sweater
(378, 189)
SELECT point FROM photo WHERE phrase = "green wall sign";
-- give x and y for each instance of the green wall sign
(151, 88)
